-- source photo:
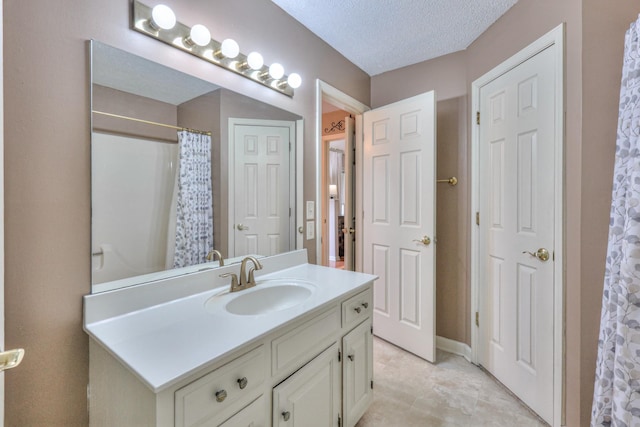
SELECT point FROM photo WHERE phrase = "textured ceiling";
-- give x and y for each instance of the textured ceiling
(382, 35)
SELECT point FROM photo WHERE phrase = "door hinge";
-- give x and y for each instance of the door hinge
(477, 117)
(339, 421)
(477, 319)
(289, 212)
(477, 218)
(371, 329)
(339, 356)
(371, 384)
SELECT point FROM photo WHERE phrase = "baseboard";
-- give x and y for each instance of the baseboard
(455, 347)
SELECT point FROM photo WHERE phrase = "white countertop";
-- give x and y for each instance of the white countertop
(166, 342)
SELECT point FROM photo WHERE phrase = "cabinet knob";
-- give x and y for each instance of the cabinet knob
(358, 309)
(221, 395)
(365, 304)
(242, 382)
(351, 357)
(286, 415)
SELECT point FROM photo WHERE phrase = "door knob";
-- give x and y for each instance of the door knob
(300, 230)
(242, 227)
(351, 230)
(425, 240)
(542, 254)
(286, 415)
(10, 359)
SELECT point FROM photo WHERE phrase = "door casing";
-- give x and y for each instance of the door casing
(553, 39)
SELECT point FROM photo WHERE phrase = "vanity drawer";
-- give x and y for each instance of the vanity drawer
(254, 415)
(295, 348)
(357, 308)
(221, 392)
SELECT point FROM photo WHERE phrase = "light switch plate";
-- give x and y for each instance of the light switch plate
(311, 229)
(311, 211)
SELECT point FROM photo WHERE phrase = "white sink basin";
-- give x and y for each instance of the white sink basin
(266, 297)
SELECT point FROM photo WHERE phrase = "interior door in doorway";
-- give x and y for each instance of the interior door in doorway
(349, 229)
(398, 197)
(516, 233)
(262, 201)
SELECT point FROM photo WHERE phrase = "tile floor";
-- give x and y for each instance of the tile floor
(452, 393)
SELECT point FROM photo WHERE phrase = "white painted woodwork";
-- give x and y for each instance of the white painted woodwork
(296, 366)
(263, 202)
(357, 308)
(251, 416)
(196, 403)
(289, 350)
(398, 195)
(517, 197)
(357, 372)
(349, 196)
(311, 396)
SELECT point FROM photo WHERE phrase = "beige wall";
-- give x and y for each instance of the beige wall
(594, 44)
(452, 222)
(47, 170)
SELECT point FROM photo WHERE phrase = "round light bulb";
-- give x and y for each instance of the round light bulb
(294, 80)
(162, 17)
(230, 48)
(200, 35)
(255, 61)
(276, 70)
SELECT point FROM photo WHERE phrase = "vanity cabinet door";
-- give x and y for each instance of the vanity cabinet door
(357, 372)
(311, 396)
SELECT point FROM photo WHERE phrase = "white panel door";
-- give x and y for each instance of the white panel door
(517, 196)
(399, 220)
(262, 202)
(349, 196)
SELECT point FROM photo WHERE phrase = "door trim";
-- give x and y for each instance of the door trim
(326, 92)
(295, 169)
(553, 38)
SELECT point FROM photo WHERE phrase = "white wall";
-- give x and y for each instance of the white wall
(134, 179)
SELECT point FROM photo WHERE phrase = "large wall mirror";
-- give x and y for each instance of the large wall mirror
(181, 167)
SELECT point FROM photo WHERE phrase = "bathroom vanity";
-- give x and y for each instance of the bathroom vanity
(295, 350)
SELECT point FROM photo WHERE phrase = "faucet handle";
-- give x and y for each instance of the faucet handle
(234, 279)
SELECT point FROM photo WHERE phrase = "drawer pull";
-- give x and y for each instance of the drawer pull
(358, 309)
(221, 395)
(365, 305)
(351, 357)
(286, 415)
(242, 382)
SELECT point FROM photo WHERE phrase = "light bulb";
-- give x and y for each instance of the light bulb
(162, 17)
(255, 61)
(230, 48)
(276, 71)
(294, 80)
(200, 35)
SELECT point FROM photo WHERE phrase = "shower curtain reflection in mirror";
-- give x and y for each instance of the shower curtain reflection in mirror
(190, 228)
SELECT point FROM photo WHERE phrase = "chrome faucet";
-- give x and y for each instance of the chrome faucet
(246, 280)
(212, 253)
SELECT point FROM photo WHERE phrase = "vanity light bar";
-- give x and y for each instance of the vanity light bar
(180, 37)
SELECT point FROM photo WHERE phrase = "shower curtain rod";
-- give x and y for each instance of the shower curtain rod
(148, 122)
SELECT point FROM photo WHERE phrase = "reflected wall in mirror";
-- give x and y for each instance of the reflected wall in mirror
(143, 177)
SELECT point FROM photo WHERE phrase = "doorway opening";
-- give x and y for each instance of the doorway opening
(335, 153)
